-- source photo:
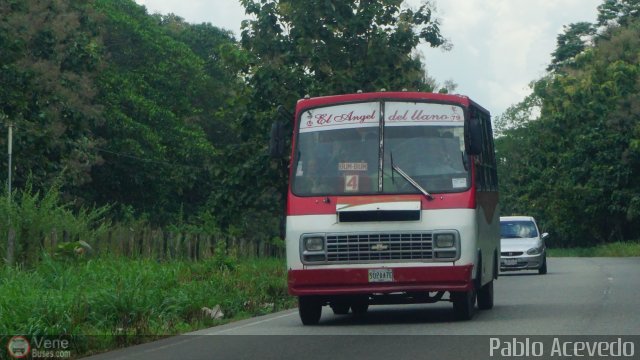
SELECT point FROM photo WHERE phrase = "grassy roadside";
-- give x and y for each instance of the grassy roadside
(105, 303)
(118, 301)
(617, 249)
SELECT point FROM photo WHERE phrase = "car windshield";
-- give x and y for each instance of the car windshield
(338, 149)
(518, 229)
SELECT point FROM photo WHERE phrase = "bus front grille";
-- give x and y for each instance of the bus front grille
(376, 247)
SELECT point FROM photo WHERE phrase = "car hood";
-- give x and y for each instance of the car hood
(519, 244)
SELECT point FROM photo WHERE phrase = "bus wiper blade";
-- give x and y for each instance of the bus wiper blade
(393, 180)
(410, 180)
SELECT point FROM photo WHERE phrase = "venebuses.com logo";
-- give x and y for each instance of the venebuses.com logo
(38, 347)
(18, 347)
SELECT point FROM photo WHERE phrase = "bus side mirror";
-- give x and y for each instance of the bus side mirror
(475, 137)
(276, 143)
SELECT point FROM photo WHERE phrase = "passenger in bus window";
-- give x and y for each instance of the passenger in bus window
(315, 180)
(355, 157)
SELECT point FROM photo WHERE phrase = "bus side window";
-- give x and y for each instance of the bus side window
(487, 171)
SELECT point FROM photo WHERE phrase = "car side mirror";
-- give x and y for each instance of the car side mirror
(544, 236)
(475, 137)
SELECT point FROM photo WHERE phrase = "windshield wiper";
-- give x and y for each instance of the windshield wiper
(409, 179)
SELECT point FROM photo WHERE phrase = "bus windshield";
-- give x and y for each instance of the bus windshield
(344, 150)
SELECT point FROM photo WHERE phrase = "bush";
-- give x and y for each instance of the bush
(125, 301)
(43, 222)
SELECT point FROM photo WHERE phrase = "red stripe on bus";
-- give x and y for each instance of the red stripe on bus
(356, 281)
(326, 205)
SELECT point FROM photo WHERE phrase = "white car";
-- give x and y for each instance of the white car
(522, 245)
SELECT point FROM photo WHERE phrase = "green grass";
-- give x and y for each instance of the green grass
(617, 249)
(124, 301)
(120, 301)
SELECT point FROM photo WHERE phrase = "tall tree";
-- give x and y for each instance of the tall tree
(124, 106)
(618, 12)
(570, 43)
(340, 46)
(318, 47)
(49, 56)
(576, 165)
(158, 157)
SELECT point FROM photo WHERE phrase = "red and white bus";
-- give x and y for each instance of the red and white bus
(392, 199)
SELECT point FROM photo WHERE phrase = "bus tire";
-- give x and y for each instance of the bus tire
(310, 310)
(485, 296)
(463, 304)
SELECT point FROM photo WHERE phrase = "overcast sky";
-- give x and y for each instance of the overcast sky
(499, 46)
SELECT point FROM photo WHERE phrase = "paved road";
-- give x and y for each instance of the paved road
(579, 296)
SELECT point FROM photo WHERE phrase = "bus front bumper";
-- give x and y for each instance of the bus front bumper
(354, 281)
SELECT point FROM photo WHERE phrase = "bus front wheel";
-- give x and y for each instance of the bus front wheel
(310, 310)
(485, 296)
(463, 304)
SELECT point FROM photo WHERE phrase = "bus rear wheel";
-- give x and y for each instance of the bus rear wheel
(310, 310)
(464, 303)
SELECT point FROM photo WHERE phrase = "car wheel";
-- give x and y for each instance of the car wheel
(543, 268)
(485, 296)
(463, 304)
(310, 310)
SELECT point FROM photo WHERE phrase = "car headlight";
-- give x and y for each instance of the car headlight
(445, 240)
(315, 243)
(534, 251)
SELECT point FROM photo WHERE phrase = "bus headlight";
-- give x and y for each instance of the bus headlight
(445, 240)
(446, 245)
(315, 243)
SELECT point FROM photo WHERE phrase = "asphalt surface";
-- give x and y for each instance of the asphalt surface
(583, 297)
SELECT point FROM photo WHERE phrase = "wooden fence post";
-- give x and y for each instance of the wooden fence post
(109, 238)
(165, 242)
(11, 246)
(130, 244)
(141, 243)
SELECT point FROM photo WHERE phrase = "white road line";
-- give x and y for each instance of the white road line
(189, 338)
(128, 352)
(250, 324)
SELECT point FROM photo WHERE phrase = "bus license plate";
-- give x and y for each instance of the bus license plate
(380, 275)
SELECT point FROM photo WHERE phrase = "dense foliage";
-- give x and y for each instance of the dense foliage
(169, 121)
(570, 152)
(119, 105)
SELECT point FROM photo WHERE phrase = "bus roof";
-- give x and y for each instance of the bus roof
(382, 95)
